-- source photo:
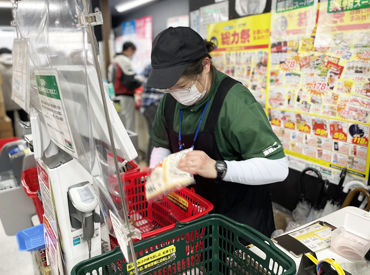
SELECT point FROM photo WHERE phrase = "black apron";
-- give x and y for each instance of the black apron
(244, 203)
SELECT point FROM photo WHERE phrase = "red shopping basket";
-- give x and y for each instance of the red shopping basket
(131, 166)
(31, 186)
(155, 217)
(4, 141)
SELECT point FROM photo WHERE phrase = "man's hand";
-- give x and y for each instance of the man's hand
(198, 163)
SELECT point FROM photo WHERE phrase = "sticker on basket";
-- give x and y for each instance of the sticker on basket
(154, 260)
(178, 200)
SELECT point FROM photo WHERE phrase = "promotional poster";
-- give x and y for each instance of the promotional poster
(312, 82)
(319, 88)
(242, 51)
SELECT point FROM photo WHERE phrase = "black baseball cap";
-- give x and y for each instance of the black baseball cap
(173, 50)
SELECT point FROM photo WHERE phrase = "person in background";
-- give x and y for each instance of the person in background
(125, 82)
(6, 74)
(149, 104)
(236, 153)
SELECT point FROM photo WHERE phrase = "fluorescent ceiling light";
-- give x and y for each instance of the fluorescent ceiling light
(131, 5)
(33, 6)
(5, 4)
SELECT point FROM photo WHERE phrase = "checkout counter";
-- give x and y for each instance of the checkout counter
(352, 219)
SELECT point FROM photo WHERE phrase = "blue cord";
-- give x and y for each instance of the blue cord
(181, 145)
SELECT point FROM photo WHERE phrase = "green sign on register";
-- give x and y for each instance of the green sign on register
(47, 86)
(288, 5)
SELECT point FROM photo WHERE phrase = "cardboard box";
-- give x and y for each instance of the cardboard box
(2, 110)
(281, 219)
(6, 128)
(7, 134)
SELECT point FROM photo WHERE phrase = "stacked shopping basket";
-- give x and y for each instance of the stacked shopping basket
(179, 240)
(212, 244)
(179, 237)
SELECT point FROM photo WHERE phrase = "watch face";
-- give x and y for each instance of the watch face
(220, 166)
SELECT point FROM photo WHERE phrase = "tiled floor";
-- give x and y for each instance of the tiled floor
(13, 261)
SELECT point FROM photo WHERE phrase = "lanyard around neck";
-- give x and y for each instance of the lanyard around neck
(181, 145)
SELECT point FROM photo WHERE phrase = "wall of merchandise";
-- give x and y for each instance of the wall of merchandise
(308, 65)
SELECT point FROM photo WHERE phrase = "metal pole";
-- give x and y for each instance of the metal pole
(97, 67)
(14, 22)
(106, 29)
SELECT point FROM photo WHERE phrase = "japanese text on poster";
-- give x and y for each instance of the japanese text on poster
(347, 5)
(319, 97)
(242, 51)
(341, 25)
(287, 5)
(51, 237)
(292, 20)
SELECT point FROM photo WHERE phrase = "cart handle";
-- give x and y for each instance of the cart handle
(242, 226)
(260, 240)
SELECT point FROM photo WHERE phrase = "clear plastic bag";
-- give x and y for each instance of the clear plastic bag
(166, 177)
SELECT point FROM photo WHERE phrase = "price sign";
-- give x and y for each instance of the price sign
(276, 122)
(289, 125)
(289, 65)
(321, 132)
(340, 136)
(317, 87)
(304, 128)
(363, 54)
(363, 141)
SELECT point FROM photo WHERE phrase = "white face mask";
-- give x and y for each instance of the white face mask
(189, 96)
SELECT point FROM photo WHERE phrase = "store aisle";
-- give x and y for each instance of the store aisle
(13, 261)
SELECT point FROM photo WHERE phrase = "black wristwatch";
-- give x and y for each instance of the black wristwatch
(221, 169)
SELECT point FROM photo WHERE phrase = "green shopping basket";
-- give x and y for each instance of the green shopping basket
(213, 244)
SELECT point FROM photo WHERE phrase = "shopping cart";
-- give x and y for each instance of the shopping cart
(155, 217)
(31, 186)
(213, 244)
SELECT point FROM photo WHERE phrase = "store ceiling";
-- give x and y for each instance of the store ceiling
(6, 16)
(5, 5)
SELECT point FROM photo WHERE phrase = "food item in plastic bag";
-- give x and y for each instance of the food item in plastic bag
(166, 177)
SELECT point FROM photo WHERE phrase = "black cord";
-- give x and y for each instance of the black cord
(88, 230)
